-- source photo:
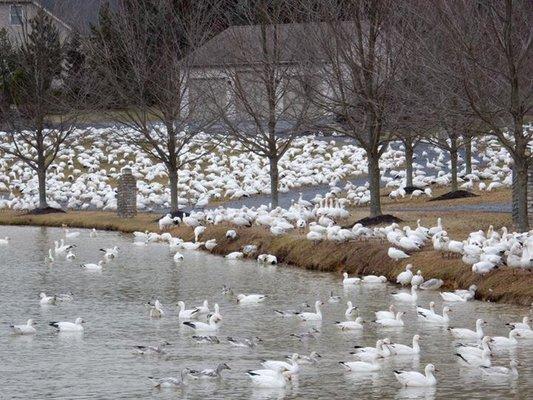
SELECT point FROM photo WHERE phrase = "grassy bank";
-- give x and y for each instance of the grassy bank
(358, 257)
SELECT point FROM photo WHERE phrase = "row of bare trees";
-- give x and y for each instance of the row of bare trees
(265, 72)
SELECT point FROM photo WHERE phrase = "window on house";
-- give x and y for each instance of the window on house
(16, 15)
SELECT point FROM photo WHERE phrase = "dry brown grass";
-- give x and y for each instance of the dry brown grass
(358, 257)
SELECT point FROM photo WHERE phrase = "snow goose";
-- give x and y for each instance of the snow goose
(210, 373)
(49, 258)
(267, 259)
(432, 284)
(177, 257)
(436, 229)
(235, 255)
(75, 326)
(403, 349)
(360, 366)
(269, 379)
(502, 341)
(501, 372)
(71, 235)
(373, 353)
(463, 333)
(473, 360)
(45, 300)
(424, 311)
(250, 298)
(70, 256)
(92, 266)
(150, 350)
(156, 310)
(525, 324)
(93, 233)
(170, 382)
(374, 279)
(210, 244)
(390, 314)
(26, 329)
(396, 254)
(198, 231)
(351, 325)
(231, 234)
(435, 318)
(292, 366)
(416, 379)
(212, 326)
(187, 314)
(110, 253)
(396, 322)
(474, 349)
(249, 343)
(411, 297)
(310, 359)
(417, 279)
(310, 316)
(459, 295)
(405, 277)
(350, 310)
(4, 240)
(349, 281)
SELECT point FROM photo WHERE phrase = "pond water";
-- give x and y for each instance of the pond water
(100, 364)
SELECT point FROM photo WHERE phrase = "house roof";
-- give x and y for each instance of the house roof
(74, 14)
(242, 45)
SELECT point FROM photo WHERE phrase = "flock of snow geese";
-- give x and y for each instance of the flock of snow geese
(85, 173)
(475, 348)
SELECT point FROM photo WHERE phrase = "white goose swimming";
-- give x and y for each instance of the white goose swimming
(351, 325)
(474, 349)
(310, 316)
(372, 353)
(350, 310)
(374, 279)
(425, 311)
(156, 310)
(502, 341)
(473, 360)
(266, 378)
(45, 300)
(26, 329)
(187, 314)
(347, 281)
(213, 325)
(390, 314)
(501, 372)
(396, 322)
(408, 297)
(93, 267)
(459, 295)
(525, 324)
(293, 368)
(204, 308)
(250, 298)
(463, 333)
(416, 379)
(403, 349)
(75, 326)
(360, 366)
(170, 382)
(435, 318)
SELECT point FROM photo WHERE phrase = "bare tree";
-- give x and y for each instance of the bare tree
(42, 118)
(267, 106)
(489, 60)
(363, 55)
(145, 65)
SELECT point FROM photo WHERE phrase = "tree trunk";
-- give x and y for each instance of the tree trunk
(274, 181)
(520, 194)
(453, 161)
(468, 156)
(173, 182)
(41, 175)
(409, 150)
(374, 179)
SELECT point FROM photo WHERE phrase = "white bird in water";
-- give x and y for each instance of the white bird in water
(170, 382)
(93, 267)
(75, 326)
(390, 314)
(310, 316)
(351, 325)
(416, 379)
(250, 298)
(463, 333)
(213, 325)
(26, 329)
(187, 314)
(45, 300)
(269, 379)
(347, 281)
(360, 366)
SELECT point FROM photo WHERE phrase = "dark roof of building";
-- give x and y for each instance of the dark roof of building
(242, 45)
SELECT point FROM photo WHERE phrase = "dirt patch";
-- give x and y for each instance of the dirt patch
(456, 194)
(380, 219)
(45, 210)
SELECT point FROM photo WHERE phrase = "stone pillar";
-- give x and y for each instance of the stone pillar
(127, 194)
